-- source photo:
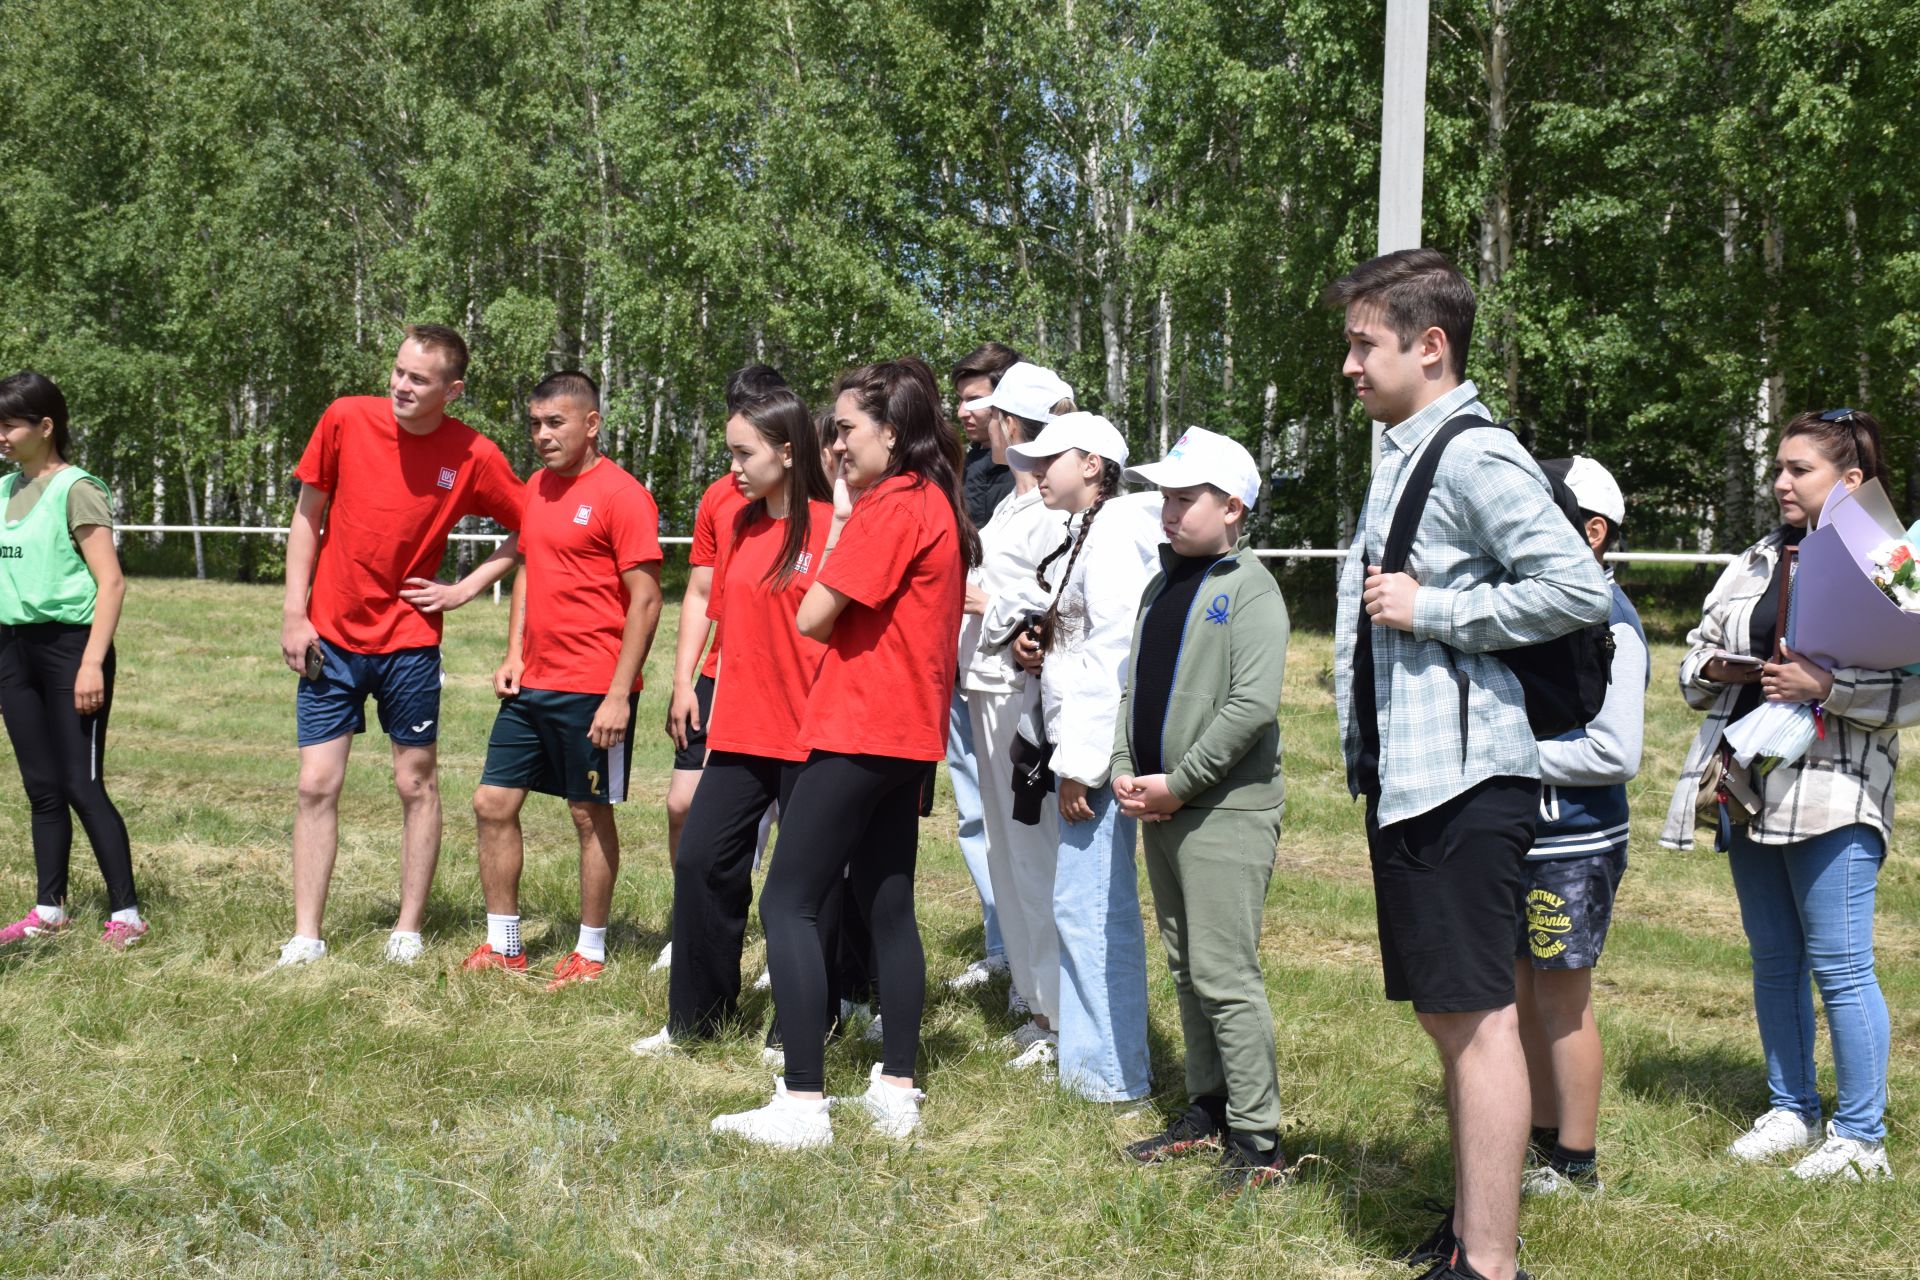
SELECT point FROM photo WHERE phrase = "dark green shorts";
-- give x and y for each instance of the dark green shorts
(540, 743)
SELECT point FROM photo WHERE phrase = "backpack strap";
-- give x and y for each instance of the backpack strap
(1413, 495)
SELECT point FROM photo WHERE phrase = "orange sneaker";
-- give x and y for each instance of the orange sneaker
(485, 957)
(575, 968)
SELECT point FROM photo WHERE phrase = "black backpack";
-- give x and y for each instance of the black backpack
(1564, 679)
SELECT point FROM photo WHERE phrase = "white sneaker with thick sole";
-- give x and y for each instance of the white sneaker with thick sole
(1043, 1052)
(979, 973)
(1027, 1034)
(894, 1110)
(664, 960)
(1777, 1133)
(404, 948)
(657, 1045)
(1845, 1160)
(790, 1123)
(298, 951)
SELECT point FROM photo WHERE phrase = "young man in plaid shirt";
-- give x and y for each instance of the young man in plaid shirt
(1434, 724)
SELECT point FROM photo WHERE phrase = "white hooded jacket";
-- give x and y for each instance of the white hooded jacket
(1020, 534)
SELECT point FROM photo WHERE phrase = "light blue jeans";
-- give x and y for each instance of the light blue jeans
(963, 772)
(1808, 911)
(1103, 956)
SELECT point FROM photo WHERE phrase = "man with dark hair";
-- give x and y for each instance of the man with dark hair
(1434, 725)
(389, 477)
(976, 375)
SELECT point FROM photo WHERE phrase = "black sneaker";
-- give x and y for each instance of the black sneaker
(1196, 1129)
(1245, 1165)
(1440, 1243)
(1454, 1267)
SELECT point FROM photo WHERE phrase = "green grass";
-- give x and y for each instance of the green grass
(181, 1111)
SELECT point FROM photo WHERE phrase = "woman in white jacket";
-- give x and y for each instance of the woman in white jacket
(1110, 552)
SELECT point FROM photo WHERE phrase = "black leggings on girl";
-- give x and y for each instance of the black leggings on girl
(859, 814)
(62, 757)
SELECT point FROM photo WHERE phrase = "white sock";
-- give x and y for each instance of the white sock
(51, 915)
(593, 943)
(503, 934)
(127, 915)
(301, 937)
(402, 933)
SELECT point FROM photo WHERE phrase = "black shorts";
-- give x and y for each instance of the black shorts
(1449, 887)
(1569, 908)
(694, 755)
(540, 743)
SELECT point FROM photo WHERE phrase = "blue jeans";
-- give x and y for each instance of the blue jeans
(1808, 911)
(963, 772)
(1103, 956)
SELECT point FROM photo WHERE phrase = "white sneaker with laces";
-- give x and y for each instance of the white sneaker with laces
(1545, 1180)
(1027, 1034)
(1777, 1133)
(1041, 1053)
(298, 951)
(404, 948)
(787, 1122)
(657, 1045)
(1845, 1159)
(664, 960)
(979, 973)
(894, 1110)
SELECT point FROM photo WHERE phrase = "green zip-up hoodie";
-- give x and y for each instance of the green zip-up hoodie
(1221, 738)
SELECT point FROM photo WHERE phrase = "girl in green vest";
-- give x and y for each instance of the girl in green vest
(60, 595)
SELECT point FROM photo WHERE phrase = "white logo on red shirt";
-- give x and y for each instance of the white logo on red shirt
(584, 514)
(805, 563)
(447, 477)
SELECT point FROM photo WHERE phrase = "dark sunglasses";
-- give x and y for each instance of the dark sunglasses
(1837, 415)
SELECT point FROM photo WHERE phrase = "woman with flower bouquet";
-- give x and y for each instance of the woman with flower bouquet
(1805, 862)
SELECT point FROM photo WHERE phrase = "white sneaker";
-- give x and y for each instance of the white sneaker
(979, 973)
(874, 1033)
(787, 1122)
(1545, 1180)
(664, 960)
(1846, 1159)
(895, 1111)
(1017, 1004)
(298, 951)
(657, 1045)
(1028, 1033)
(765, 981)
(1041, 1053)
(1779, 1132)
(774, 1056)
(404, 948)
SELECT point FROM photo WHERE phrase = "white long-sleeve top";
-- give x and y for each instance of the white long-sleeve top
(1013, 541)
(1080, 680)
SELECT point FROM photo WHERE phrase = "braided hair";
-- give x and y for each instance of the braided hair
(1108, 486)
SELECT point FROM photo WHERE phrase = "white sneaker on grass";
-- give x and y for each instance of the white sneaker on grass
(765, 981)
(657, 1045)
(774, 1056)
(893, 1109)
(1777, 1133)
(979, 973)
(1845, 1160)
(664, 960)
(787, 1122)
(1545, 1180)
(404, 948)
(1027, 1034)
(298, 951)
(1043, 1052)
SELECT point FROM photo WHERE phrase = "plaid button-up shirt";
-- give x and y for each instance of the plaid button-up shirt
(1499, 566)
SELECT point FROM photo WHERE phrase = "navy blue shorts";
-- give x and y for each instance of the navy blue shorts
(694, 755)
(1569, 908)
(540, 743)
(406, 691)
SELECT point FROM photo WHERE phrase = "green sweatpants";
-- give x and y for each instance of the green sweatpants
(1209, 869)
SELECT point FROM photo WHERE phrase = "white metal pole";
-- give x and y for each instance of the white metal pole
(1403, 134)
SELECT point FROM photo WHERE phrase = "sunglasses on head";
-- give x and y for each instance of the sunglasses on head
(1838, 415)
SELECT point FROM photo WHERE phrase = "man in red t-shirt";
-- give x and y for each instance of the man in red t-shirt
(584, 612)
(390, 477)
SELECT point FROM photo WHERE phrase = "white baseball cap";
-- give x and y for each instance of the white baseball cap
(1087, 432)
(1201, 457)
(1595, 490)
(1025, 390)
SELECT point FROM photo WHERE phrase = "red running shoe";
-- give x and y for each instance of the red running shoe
(485, 957)
(575, 968)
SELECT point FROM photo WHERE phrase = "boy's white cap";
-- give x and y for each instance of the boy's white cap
(1200, 457)
(1088, 432)
(1595, 490)
(1027, 391)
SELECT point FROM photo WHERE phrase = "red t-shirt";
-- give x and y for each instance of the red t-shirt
(395, 497)
(763, 685)
(581, 533)
(712, 519)
(886, 682)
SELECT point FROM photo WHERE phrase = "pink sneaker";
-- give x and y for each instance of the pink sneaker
(119, 935)
(29, 925)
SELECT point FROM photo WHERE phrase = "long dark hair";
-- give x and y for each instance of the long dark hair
(1844, 437)
(1109, 485)
(901, 393)
(781, 419)
(34, 396)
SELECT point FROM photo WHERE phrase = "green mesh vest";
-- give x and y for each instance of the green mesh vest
(42, 576)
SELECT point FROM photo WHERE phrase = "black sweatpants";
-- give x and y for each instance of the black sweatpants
(713, 885)
(859, 815)
(62, 757)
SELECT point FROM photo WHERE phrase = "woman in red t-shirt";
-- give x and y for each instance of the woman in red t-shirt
(766, 559)
(888, 606)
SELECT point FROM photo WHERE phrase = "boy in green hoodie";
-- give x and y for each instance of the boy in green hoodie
(1196, 758)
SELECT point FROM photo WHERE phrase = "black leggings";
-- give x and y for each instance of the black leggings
(713, 885)
(856, 814)
(62, 757)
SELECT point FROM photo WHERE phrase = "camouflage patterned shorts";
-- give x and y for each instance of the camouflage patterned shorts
(1569, 904)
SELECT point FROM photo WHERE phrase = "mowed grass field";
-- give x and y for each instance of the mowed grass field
(182, 1110)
